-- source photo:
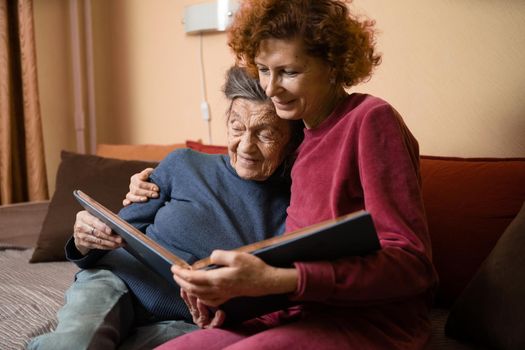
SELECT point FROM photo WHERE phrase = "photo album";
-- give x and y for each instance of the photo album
(353, 234)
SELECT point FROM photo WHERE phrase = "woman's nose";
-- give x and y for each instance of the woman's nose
(272, 86)
(246, 143)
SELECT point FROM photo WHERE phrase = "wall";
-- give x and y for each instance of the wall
(148, 73)
(454, 69)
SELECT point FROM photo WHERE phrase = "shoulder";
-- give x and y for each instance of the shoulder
(380, 123)
(365, 104)
(182, 161)
(189, 156)
(185, 165)
(371, 111)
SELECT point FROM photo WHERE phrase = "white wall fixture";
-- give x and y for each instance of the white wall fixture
(209, 17)
(203, 18)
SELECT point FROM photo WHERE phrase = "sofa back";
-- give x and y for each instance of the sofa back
(469, 204)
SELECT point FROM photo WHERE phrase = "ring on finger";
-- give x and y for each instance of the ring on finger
(92, 231)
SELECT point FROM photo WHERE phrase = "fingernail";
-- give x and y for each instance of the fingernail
(154, 194)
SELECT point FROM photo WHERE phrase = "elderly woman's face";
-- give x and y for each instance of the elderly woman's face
(298, 84)
(257, 139)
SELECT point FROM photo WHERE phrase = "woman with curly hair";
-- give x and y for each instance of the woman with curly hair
(357, 154)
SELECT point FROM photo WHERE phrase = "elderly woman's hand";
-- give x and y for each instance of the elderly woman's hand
(91, 233)
(240, 274)
(140, 190)
(201, 313)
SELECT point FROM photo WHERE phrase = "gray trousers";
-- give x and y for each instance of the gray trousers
(99, 313)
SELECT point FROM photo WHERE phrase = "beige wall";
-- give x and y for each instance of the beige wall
(454, 69)
(148, 74)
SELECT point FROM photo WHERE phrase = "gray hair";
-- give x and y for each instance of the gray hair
(239, 84)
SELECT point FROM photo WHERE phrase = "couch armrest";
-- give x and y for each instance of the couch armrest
(20, 223)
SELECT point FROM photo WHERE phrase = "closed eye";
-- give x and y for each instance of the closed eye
(266, 136)
(263, 70)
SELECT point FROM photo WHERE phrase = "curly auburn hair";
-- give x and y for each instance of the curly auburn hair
(327, 28)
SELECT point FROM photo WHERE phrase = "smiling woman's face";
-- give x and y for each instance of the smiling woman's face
(298, 84)
(257, 139)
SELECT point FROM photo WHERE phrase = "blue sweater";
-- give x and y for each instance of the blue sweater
(203, 205)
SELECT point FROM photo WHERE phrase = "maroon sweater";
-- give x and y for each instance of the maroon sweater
(363, 157)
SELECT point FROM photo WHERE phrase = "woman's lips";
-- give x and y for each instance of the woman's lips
(246, 161)
(283, 105)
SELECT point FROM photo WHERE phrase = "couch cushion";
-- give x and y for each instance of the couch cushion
(469, 204)
(137, 152)
(490, 310)
(104, 179)
(20, 223)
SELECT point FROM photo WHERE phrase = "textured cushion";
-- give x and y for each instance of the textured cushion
(213, 149)
(469, 204)
(104, 179)
(30, 296)
(490, 310)
(440, 341)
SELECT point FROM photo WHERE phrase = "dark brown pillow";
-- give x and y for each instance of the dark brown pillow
(104, 179)
(491, 309)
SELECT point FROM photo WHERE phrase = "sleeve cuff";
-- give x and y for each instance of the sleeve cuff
(82, 261)
(314, 281)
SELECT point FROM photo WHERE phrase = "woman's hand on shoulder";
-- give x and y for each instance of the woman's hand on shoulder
(91, 233)
(140, 189)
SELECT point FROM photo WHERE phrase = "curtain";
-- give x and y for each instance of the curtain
(22, 162)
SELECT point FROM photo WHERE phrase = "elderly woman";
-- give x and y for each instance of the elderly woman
(205, 202)
(357, 154)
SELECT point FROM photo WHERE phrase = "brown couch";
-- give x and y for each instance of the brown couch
(470, 203)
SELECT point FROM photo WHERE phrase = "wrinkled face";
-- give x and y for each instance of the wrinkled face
(298, 84)
(257, 139)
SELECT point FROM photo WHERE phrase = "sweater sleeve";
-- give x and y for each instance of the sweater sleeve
(387, 158)
(141, 215)
(83, 261)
